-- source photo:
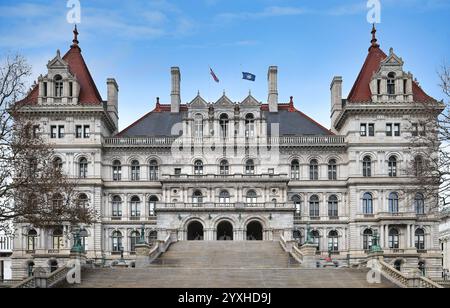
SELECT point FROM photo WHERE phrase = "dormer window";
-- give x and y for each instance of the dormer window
(58, 86)
(391, 84)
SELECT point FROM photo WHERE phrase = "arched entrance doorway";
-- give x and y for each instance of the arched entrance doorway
(254, 231)
(195, 231)
(225, 231)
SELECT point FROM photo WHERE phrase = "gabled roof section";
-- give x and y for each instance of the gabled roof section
(360, 91)
(89, 94)
(162, 123)
(198, 102)
(250, 101)
(224, 101)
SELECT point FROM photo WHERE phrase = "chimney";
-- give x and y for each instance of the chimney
(113, 101)
(336, 98)
(273, 88)
(175, 95)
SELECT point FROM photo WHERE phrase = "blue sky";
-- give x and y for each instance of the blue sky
(137, 42)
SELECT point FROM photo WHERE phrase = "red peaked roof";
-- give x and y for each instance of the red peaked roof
(89, 94)
(361, 89)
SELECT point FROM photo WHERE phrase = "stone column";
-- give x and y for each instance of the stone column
(382, 236)
(408, 236)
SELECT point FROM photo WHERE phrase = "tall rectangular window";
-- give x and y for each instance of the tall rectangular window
(53, 132)
(61, 132)
(35, 131)
(389, 130)
(363, 130)
(371, 130)
(87, 131)
(397, 130)
(78, 131)
(70, 89)
(415, 130)
(45, 89)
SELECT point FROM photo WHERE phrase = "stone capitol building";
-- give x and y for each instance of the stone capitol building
(237, 171)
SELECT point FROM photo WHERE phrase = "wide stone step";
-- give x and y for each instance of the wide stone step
(162, 277)
(223, 254)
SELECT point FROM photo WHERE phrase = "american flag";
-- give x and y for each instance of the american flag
(214, 75)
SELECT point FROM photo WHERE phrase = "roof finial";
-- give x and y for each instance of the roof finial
(75, 37)
(374, 38)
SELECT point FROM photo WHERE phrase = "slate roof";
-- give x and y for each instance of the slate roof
(360, 91)
(160, 122)
(89, 94)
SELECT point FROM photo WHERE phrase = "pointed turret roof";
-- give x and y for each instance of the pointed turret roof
(360, 91)
(89, 94)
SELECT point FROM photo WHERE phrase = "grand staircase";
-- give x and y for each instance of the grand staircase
(201, 264)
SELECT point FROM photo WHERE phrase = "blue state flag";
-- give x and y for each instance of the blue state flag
(248, 76)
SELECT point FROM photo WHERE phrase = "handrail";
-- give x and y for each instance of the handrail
(404, 281)
(28, 283)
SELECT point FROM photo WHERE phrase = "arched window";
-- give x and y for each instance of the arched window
(297, 200)
(83, 235)
(333, 211)
(135, 171)
(31, 240)
(332, 170)
(152, 205)
(57, 236)
(57, 201)
(316, 238)
(30, 269)
(198, 126)
(393, 239)
(117, 171)
(420, 239)
(367, 239)
(83, 168)
(249, 125)
(134, 239)
(295, 170)
(252, 197)
(197, 197)
(224, 197)
(58, 163)
(250, 167)
(314, 170)
(153, 170)
(419, 204)
(391, 84)
(152, 236)
(333, 241)
(117, 206)
(224, 167)
(198, 167)
(135, 207)
(367, 204)
(224, 125)
(53, 265)
(422, 268)
(116, 241)
(58, 86)
(314, 209)
(393, 203)
(83, 201)
(392, 166)
(297, 236)
(418, 165)
(367, 166)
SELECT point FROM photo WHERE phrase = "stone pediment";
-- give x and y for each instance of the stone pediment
(392, 60)
(198, 102)
(57, 62)
(250, 101)
(224, 101)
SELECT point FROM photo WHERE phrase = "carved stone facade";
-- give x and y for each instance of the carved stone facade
(239, 170)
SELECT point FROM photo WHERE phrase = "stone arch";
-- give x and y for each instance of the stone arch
(225, 230)
(195, 230)
(255, 228)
